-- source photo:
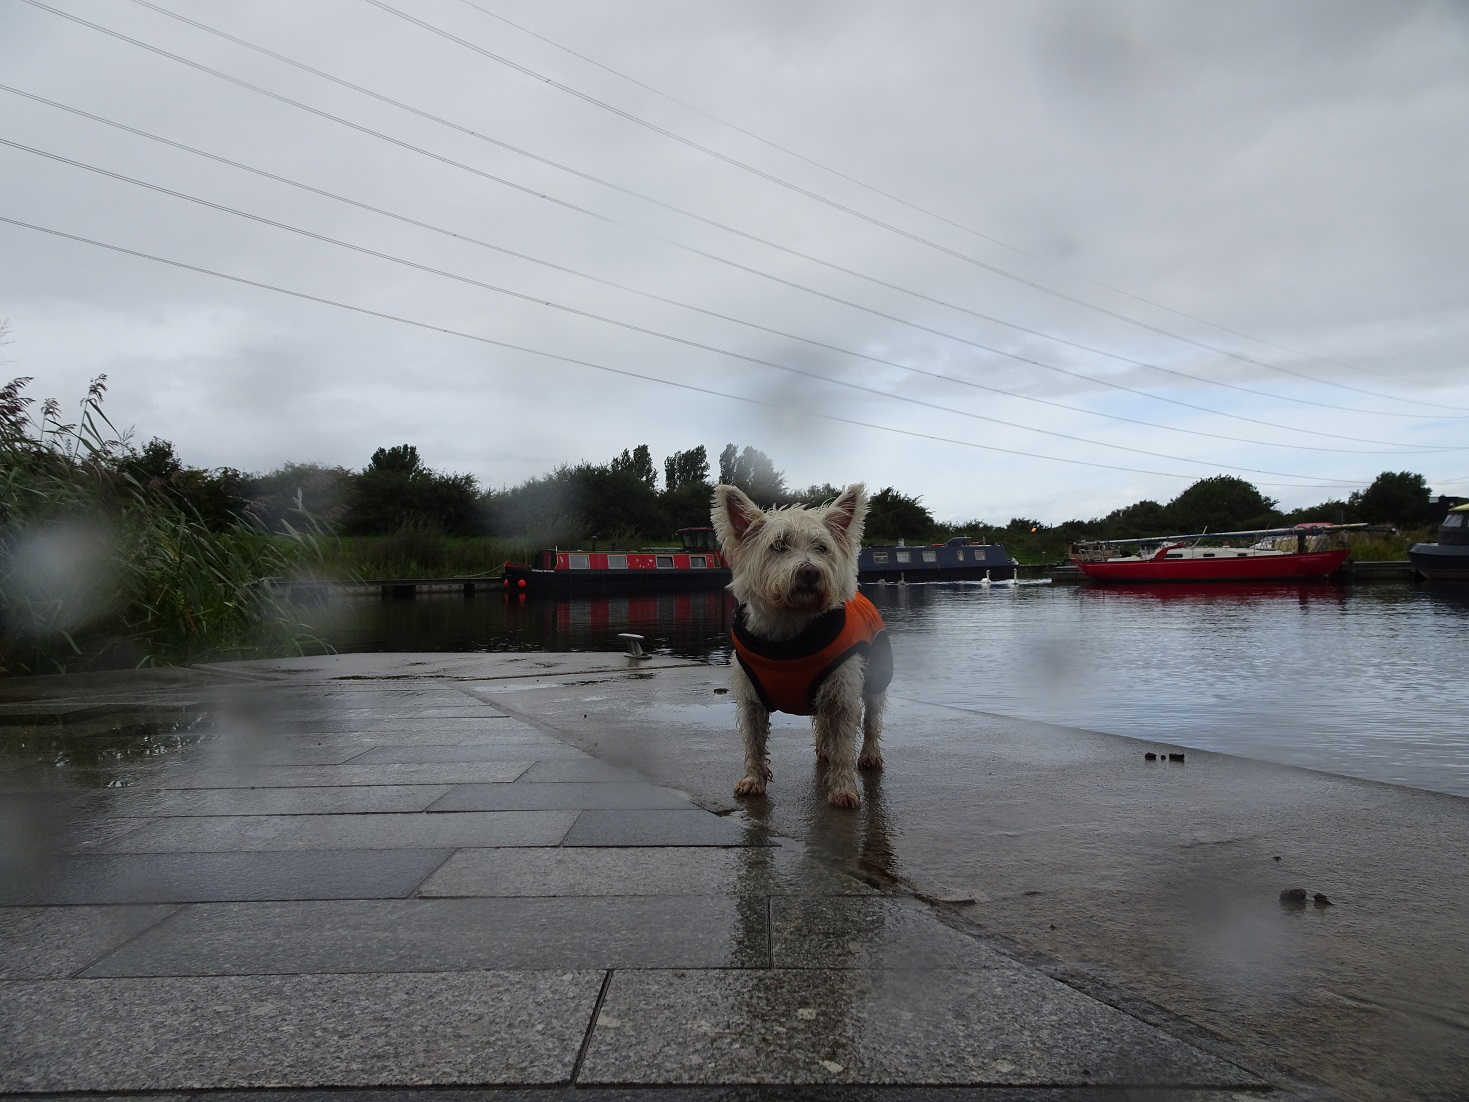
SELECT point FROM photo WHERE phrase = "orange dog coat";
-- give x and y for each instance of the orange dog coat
(787, 675)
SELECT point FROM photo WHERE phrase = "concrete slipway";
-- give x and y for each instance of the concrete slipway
(523, 875)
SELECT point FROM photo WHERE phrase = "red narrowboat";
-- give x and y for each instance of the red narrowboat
(695, 564)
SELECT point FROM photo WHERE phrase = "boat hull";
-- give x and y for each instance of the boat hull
(563, 583)
(1440, 563)
(1263, 568)
(918, 573)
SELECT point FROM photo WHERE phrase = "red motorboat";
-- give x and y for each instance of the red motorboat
(1304, 551)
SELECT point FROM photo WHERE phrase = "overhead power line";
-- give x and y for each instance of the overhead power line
(633, 327)
(691, 387)
(836, 204)
(936, 215)
(693, 250)
(469, 239)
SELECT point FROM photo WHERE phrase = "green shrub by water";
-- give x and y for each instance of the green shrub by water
(419, 553)
(99, 569)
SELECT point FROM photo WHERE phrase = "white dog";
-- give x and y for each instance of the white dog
(806, 642)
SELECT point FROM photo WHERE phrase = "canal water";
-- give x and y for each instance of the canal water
(1366, 681)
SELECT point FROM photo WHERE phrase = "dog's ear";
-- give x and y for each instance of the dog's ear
(845, 516)
(734, 515)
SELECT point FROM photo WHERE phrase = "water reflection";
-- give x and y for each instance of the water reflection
(687, 625)
(1348, 679)
(1211, 593)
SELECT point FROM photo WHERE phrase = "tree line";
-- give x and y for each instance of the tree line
(631, 496)
(113, 554)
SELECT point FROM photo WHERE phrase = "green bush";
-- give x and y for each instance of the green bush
(100, 569)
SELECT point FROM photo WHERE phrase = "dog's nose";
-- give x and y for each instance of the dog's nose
(808, 576)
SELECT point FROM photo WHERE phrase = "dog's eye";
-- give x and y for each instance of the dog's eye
(778, 546)
(820, 549)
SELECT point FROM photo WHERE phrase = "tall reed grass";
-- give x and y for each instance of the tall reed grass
(98, 569)
(420, 553)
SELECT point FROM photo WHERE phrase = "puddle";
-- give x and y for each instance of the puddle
(100, 743)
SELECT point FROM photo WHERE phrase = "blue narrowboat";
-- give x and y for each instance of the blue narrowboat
(961, 559)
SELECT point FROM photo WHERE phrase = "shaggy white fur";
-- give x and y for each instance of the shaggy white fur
(790, 566)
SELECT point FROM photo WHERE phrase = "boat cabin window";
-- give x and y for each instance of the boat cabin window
(959, 555)
(879, 556)
(930, 556)
(1174, 555)
(577, 562)
(905, 556)
(665, 562)
(1208, 554)
(1455, 520)
(616, 562)
(696, 561)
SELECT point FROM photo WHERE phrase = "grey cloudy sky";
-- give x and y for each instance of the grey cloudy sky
(1296, 174)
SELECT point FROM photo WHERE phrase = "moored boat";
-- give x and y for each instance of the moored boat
(960, 559)
(696, 564)
(1311, 551)
(1448, 559)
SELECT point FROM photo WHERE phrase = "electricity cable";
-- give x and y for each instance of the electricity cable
(854, 212)
(632, 326)
(456, 235)
(198, 66)
(927, 211)
(400, 319)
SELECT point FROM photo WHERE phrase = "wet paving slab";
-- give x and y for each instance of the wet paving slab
(56, 942)
(870, 932)
(449, 935)
(245, 833)
(1014, 1027)
(379, 869)
(291, 776)
(735, 871)
(190, 877)
(360, 799)
(577, 769)
(499, 748)
(526, 795)
(747, 1092)
(694, 827)
(286, 1030)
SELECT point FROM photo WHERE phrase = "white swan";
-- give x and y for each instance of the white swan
(985, 581)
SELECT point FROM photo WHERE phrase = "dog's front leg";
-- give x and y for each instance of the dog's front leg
(872, 706)
(754, 724)
(837, 720)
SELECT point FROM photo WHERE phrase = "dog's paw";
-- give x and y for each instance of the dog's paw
(870, 761)
(751, 786)
(844, 798)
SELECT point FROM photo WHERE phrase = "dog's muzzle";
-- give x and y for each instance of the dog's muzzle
(806, 587)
